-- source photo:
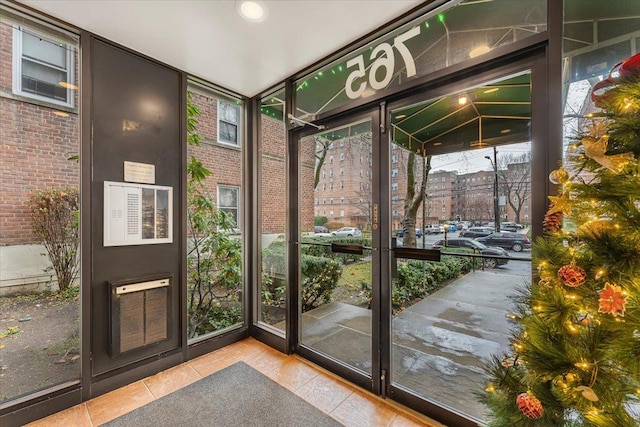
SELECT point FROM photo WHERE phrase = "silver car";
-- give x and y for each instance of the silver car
(347, 232)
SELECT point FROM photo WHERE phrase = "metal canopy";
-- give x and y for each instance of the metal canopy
(493, 114)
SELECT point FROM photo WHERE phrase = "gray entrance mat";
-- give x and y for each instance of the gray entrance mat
(235, 396)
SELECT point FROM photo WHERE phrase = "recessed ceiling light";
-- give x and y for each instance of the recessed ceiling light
(462, 99)
(252, 10)
(61, 113)
(68, 85)
(435, 144)
(505, 131)
(480, 50)
(401, 116)
(494, 89)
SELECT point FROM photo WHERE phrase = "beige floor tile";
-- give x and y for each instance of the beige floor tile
(265, 361)
(324, 392)
(212, 362)
(76, 416)
(118, 402)
(359, 410)
(405, 421)
(171, 380)
(292, 374)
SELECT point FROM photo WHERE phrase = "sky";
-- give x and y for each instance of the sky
(473, 161)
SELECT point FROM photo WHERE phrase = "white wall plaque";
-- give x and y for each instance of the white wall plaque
(139, 172)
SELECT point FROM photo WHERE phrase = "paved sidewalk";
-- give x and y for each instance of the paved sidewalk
(440, 345)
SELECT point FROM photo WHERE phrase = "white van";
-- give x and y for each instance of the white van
(433, 229)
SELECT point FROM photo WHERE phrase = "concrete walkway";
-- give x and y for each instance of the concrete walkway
(439, 345)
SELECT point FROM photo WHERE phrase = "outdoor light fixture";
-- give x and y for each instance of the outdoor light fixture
(480, 50)
(252, 10)
(462, 99)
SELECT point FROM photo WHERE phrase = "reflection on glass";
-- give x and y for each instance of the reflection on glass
(460, 171)
(450, 35)
(148, 213)
(336, 287)
(162, 214)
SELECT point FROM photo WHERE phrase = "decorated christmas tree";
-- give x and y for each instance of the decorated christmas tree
(575, 353)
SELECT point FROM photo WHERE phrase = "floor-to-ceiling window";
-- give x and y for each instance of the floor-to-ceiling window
(215, 256)
(39, 208)
(460, 182)
(272, 211)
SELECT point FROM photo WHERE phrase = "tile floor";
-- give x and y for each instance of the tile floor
(343, 401)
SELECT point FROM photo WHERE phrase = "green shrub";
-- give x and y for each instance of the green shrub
(55, 220)
(417, 279)
(319, 278)
(320, 275)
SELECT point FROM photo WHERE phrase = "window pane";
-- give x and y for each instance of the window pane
(273, 213)
(228, 112)
(464, 30)
(215, 249)
(44, 50)
(228, 132)
(39, 287)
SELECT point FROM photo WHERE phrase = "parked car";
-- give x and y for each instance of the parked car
(347, 232)
(507, 240)
(477, 246)
(433, 228)
(320, 229)
(400, 233)
(474, 232)
(511, 226)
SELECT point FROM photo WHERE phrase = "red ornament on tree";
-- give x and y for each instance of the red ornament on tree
(572, 275)
(529, 405)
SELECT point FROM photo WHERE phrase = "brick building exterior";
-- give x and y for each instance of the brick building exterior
(36, 140)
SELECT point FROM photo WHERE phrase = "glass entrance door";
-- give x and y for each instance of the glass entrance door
(336, 237)
(461, 197)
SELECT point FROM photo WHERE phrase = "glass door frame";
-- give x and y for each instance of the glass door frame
(543, 156)
(372, 383)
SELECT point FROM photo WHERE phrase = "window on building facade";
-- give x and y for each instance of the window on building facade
(331, 186)
(330, 214)
(330, 159)
(228, 123)
(394, 158)
(342, 214)
(330, 172)
(341, 145)
(394, 173)
(324, 174)
(341, 171)
(331, 200)
(342, 200)
(229, 202)
(342, 155)
(42, 68)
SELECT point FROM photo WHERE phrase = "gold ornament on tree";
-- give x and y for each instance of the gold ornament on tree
(529, 405)
(559, 176)
(596, 148)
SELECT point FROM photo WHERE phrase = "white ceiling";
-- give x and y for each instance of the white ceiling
(208, 39)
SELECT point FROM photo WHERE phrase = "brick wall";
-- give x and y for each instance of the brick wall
(35, 144)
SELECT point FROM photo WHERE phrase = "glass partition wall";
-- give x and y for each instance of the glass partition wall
(39, 208)
(215, 251)
(272, 216)
(460, 183)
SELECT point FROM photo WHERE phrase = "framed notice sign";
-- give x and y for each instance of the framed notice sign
(137, 214)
